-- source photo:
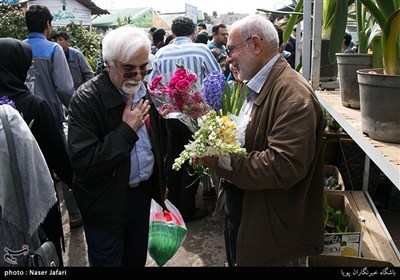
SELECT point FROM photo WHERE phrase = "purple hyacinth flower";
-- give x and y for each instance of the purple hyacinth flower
(213, 89)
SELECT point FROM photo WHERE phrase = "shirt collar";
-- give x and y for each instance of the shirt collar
(36, 35)
(181, 40)
(256, 83)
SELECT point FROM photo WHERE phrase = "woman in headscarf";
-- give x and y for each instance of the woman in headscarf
(26, 189)
(15, 60)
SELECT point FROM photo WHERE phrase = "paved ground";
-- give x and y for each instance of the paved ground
(203, 246)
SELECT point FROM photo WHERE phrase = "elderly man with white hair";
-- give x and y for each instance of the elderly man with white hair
(274, 196)
(115, 143)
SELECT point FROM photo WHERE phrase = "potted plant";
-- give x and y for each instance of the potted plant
(349, 63)
(332, 28)
(380, 87)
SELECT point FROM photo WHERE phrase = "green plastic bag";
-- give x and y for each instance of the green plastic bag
(166, 233)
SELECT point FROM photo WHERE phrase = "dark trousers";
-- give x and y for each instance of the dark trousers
(233, 213)
(182, 184)
(129, 247)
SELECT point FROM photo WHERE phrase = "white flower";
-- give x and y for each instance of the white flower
(217, 136)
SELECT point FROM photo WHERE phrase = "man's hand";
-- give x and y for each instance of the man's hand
(135, 118)
(209, 161)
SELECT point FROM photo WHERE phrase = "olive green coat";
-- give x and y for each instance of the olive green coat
(282, 173)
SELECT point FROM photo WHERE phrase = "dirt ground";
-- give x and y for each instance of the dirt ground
(203, 246)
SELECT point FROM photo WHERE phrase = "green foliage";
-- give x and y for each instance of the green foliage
(88, 42)
(12, 22)
(143, 21)
(207, 18)
(341, 221)
(330, 121)
(331, 184)
(123, 21)
(327, 210)
(387, 16)
(233, 98)
(335, 221)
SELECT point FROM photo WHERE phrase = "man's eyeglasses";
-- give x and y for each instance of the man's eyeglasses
(132, 74)
(229, 49)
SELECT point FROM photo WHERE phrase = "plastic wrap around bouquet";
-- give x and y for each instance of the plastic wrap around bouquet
(217, 136)
(221, 130)
(167, 231)
(180, 98)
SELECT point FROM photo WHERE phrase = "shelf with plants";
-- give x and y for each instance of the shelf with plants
(385, 155)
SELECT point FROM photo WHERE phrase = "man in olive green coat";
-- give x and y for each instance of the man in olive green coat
(280, 211)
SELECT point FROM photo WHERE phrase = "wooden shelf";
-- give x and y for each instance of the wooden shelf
(385, 155)
(374, 245)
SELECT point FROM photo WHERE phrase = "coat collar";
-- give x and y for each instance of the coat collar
(276, 70)
(110, 93)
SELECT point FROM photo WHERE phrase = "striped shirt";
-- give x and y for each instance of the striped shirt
(195, 57)
(255, 85)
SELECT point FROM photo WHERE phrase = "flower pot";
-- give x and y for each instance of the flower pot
(348, 64)
(379, 105)
(328, 72)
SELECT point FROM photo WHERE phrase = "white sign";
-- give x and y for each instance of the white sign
(65, 11)
(191, 11)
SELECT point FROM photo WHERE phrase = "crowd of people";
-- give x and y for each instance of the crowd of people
(118, 152)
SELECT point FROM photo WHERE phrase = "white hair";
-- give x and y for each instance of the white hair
(123, 42)
(258, 25)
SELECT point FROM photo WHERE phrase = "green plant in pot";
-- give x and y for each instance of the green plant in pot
(380, 87)
(349, 63)
(332, 27)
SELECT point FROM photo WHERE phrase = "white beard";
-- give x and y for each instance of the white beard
(131, 87)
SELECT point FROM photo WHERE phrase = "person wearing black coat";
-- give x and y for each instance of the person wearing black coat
(117, 150)
(15, 60)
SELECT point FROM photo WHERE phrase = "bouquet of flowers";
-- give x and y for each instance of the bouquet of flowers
(216, 132)
(216, 136)
(224, 98)
(221, 131)
(180, 98)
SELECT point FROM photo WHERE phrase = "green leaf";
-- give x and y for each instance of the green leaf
(224, 104)
(227, 95)
(292, 22)
(234, 99)
(375, 12)
(338, 29)
(390, 44)
(242, 98)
